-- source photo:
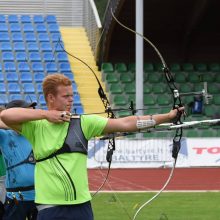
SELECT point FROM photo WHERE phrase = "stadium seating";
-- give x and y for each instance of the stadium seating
(26, 77)
(17, 37)
(148, 67)
(3, 99)
(25, 19)
(7, 56)
(175, 67)
(107, 67)
(30, 98)
(15, 97)
(2, 88)
(12, 77)
(30, 37)
(157, 98)
(39, 77)
(14, 88)
(2, 77)
(120, 67)
(34, 56)
(30, 48)
(28, 88)
(28, 27)
(51, 19)
(4, 37)
(13, 19)
(21, 56)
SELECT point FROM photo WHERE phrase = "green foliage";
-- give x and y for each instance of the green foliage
(168, 206)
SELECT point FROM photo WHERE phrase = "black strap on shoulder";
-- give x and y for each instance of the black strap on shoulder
(30, 160)
(75, 140)
(20, 189)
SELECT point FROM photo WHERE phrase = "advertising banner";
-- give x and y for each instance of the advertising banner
(131, 153)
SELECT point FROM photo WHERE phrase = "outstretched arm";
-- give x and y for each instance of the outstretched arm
(129, 124)
(3, 125)
(14, 117)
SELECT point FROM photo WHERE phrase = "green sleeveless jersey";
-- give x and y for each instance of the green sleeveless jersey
(62, 180)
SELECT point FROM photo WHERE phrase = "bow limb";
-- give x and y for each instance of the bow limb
(176, 103)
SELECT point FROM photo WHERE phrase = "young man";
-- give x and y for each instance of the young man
(60, 147)
(17, 153)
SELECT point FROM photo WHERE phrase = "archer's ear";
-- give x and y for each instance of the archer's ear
(50, 98)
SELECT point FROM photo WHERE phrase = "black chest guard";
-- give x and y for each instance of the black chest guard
(75, 140)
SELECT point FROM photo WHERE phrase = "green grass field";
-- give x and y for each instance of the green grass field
(168, 206)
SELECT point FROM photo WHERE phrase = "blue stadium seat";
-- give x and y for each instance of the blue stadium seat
(4, 37)
(15, 97)
(51, 19)
(38, 19)
(3, 99)
(14, 88)
(0, 66)
(55, 37)
(25, 19)
(70, 76)
(39, 77)
(23, 67)
(28, 28)
(12, 77)
(9, 66)
(3, 27)
(30, 98)
(31, 47)
(30, 37)
(37, 67)
(25, 77)
(15, 27)
(51, 67)
(48, 57)
(21, 56)
(28, 88)
(42, 37)
(79, 110)
(39, 88)
(2, 88)
(34, 56)
(53, 28)
(5, 46)
(65, 67)
(16, 37)
(19, 46)
(2, 77)
(7, 56)
(13, 19)
(62, 57)
(58, 47)
(76, 100)
(42, 100)
(45, 47)
(75, 90)
(41, 28)
(2, 19)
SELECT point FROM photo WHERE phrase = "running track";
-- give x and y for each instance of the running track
(153, 179)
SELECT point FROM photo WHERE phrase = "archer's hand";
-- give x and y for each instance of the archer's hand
(55, 116)
(173, 114)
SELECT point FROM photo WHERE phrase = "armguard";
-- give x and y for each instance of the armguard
(142, 124)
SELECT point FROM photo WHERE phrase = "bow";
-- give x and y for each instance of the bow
(108, 110)
(176, 104)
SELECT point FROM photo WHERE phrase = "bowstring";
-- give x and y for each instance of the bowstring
(172, 86)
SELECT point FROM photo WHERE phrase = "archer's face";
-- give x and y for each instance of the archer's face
(63, 101)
